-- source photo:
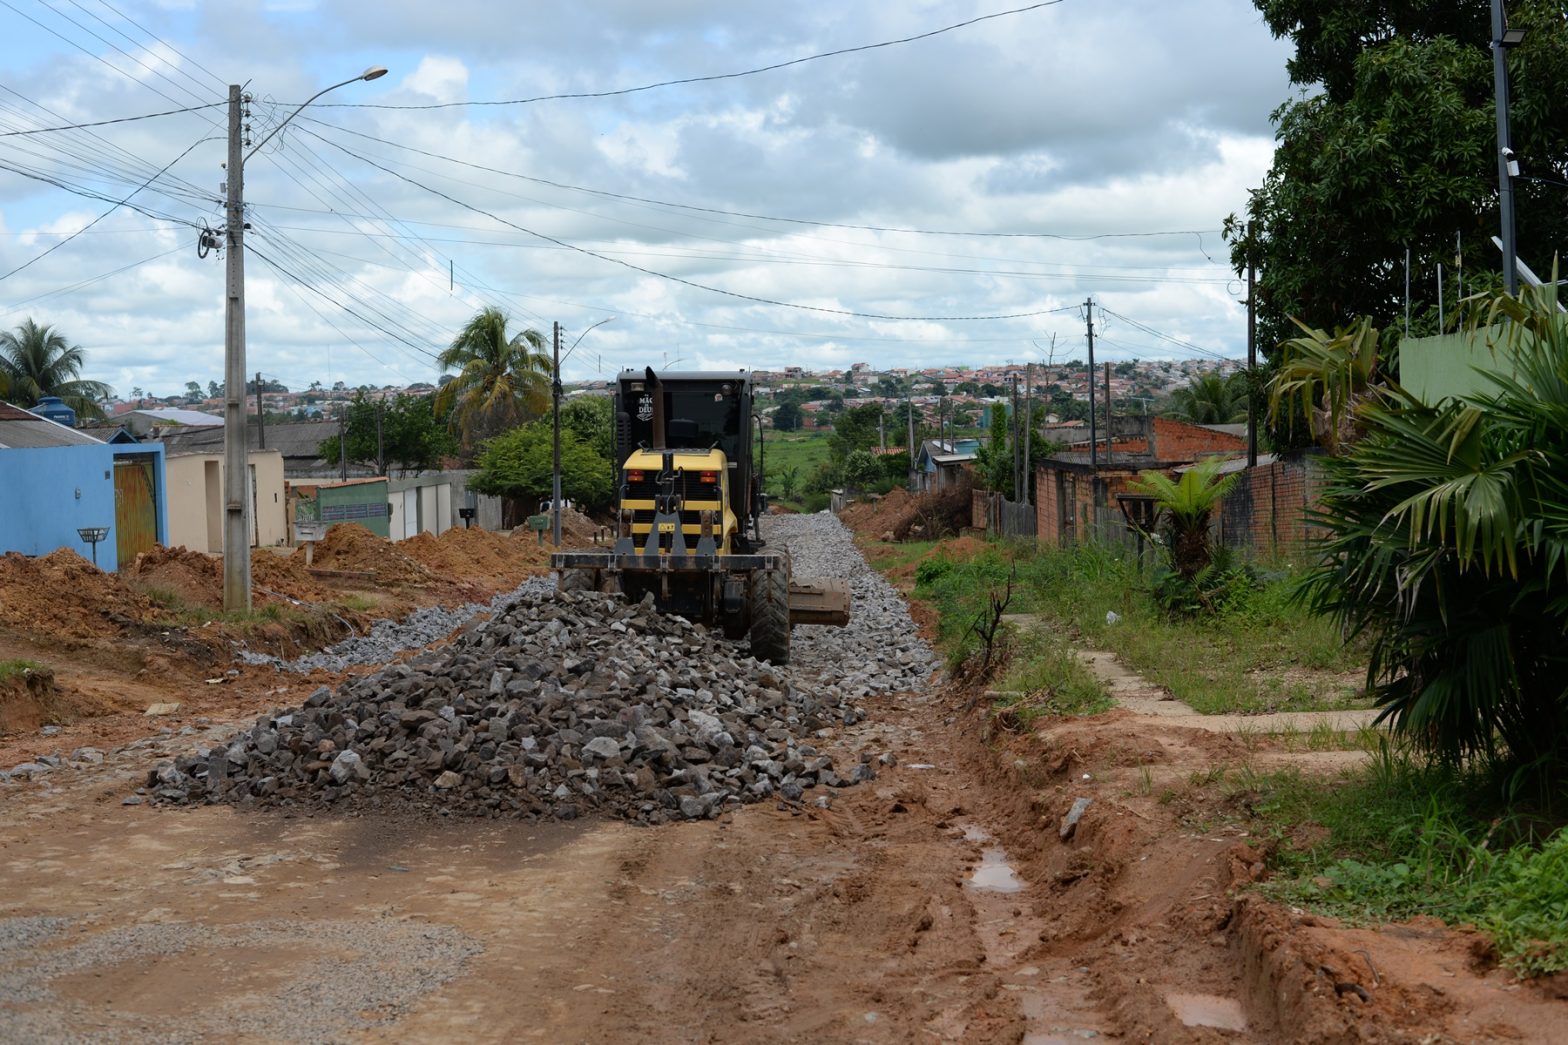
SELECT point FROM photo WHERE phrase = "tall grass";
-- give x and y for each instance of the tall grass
(1260, 652)
(1402, 838)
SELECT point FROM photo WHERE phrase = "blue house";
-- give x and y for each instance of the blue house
(58, 481)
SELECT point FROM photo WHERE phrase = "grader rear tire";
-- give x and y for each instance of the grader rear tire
(770, 616)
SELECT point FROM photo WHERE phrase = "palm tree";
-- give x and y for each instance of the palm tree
(1211, 400)
(38, 361)
(501, 381)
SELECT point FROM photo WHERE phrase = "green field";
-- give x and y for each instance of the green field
(803, 451)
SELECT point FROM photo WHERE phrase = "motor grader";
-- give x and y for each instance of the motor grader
(688, 515)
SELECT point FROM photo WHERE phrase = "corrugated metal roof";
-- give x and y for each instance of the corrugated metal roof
(178, 416)
(24, 430)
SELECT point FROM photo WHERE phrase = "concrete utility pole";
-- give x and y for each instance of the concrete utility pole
(1507, 166)
(381, 443)
(343, 442)
(236, 521)
(236, 474)
(1094, 445)
(555, 419)
(909, 412)
(1013, 380)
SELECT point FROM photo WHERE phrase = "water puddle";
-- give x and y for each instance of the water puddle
(1208, 1010)
(1054, 998)
(995, 874)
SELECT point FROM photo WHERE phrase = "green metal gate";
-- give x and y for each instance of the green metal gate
(135, 508)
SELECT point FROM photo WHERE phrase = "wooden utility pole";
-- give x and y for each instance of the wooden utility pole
(261, 417)
(555, 422)
(1110, 434)
(1252, 355)
(1094, 445)
(1029, 429)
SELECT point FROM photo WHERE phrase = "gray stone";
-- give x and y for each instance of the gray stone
(603, 747)
(1070, 822)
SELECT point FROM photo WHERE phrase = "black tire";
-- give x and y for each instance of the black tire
(575, 580)
(770, 616)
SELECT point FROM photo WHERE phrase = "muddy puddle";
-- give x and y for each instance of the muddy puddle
(1052, 995)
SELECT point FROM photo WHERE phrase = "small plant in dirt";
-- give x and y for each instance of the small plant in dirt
(1197, 575)
(10, 669)
(1050, 680)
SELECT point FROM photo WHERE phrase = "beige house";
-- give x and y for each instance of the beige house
(195, 493)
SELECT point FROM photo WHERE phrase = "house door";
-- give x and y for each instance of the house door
(135, 508)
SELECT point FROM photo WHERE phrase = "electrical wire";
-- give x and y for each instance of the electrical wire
(713, 77)
(695, 208)
(17, 306)
(105, 214)
(757, 299)
(106, 123)
(1163, 336)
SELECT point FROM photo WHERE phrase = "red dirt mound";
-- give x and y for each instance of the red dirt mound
(577, 530)
(63, 595)
(192, 577)
(283, 575)
(902, 516)
(352, 548)
(197, 579)
(491, 560)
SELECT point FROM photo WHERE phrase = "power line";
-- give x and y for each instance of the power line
(716, 76)
(106, 123)
(695, 208)
(1163, 336)
(678, 279)
(15, 307)
(105, 214)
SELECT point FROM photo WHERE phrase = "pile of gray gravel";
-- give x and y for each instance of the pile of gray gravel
(564, 705)
(558, 705)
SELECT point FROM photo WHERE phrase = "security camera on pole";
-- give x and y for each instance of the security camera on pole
(236, 474)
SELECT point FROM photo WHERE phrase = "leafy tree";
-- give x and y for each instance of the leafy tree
(1391, 146)
(895, 466)
(967, 388)
(37, 361)
(267, 385)
(994, 462)
(857, 428)
(502, 381)
(411, 436)
(519, 463)
(989, 390)
(1212, 399)
(787, 417)
(862, 469)
(214, 390)
(1323, 378)
(193, 390)
(591, 418)
(1183, 507)
(1447, 546)
(788, 480)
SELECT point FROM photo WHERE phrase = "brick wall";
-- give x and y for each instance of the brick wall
(1267, 510)
(1066, 499)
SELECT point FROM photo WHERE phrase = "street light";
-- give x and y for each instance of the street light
(236, 522)
(555, 415)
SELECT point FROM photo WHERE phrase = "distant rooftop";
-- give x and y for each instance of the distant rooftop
(24, 430)
(174, 415)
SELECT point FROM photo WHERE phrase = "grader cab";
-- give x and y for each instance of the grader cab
(688, 516)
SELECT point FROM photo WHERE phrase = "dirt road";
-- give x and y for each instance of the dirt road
(851, 924)
(946, 900)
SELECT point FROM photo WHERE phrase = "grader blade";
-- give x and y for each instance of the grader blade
(819, 600)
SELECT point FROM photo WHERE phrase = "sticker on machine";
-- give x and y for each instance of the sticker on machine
(645, 408)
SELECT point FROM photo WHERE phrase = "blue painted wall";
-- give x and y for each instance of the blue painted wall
(51, 491)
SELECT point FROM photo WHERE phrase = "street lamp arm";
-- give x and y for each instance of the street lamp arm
(374, 72)
(584, 334)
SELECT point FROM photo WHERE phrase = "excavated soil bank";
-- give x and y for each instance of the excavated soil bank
(62, 595)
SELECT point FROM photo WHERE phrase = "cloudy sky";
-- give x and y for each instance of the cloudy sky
(947, 200)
